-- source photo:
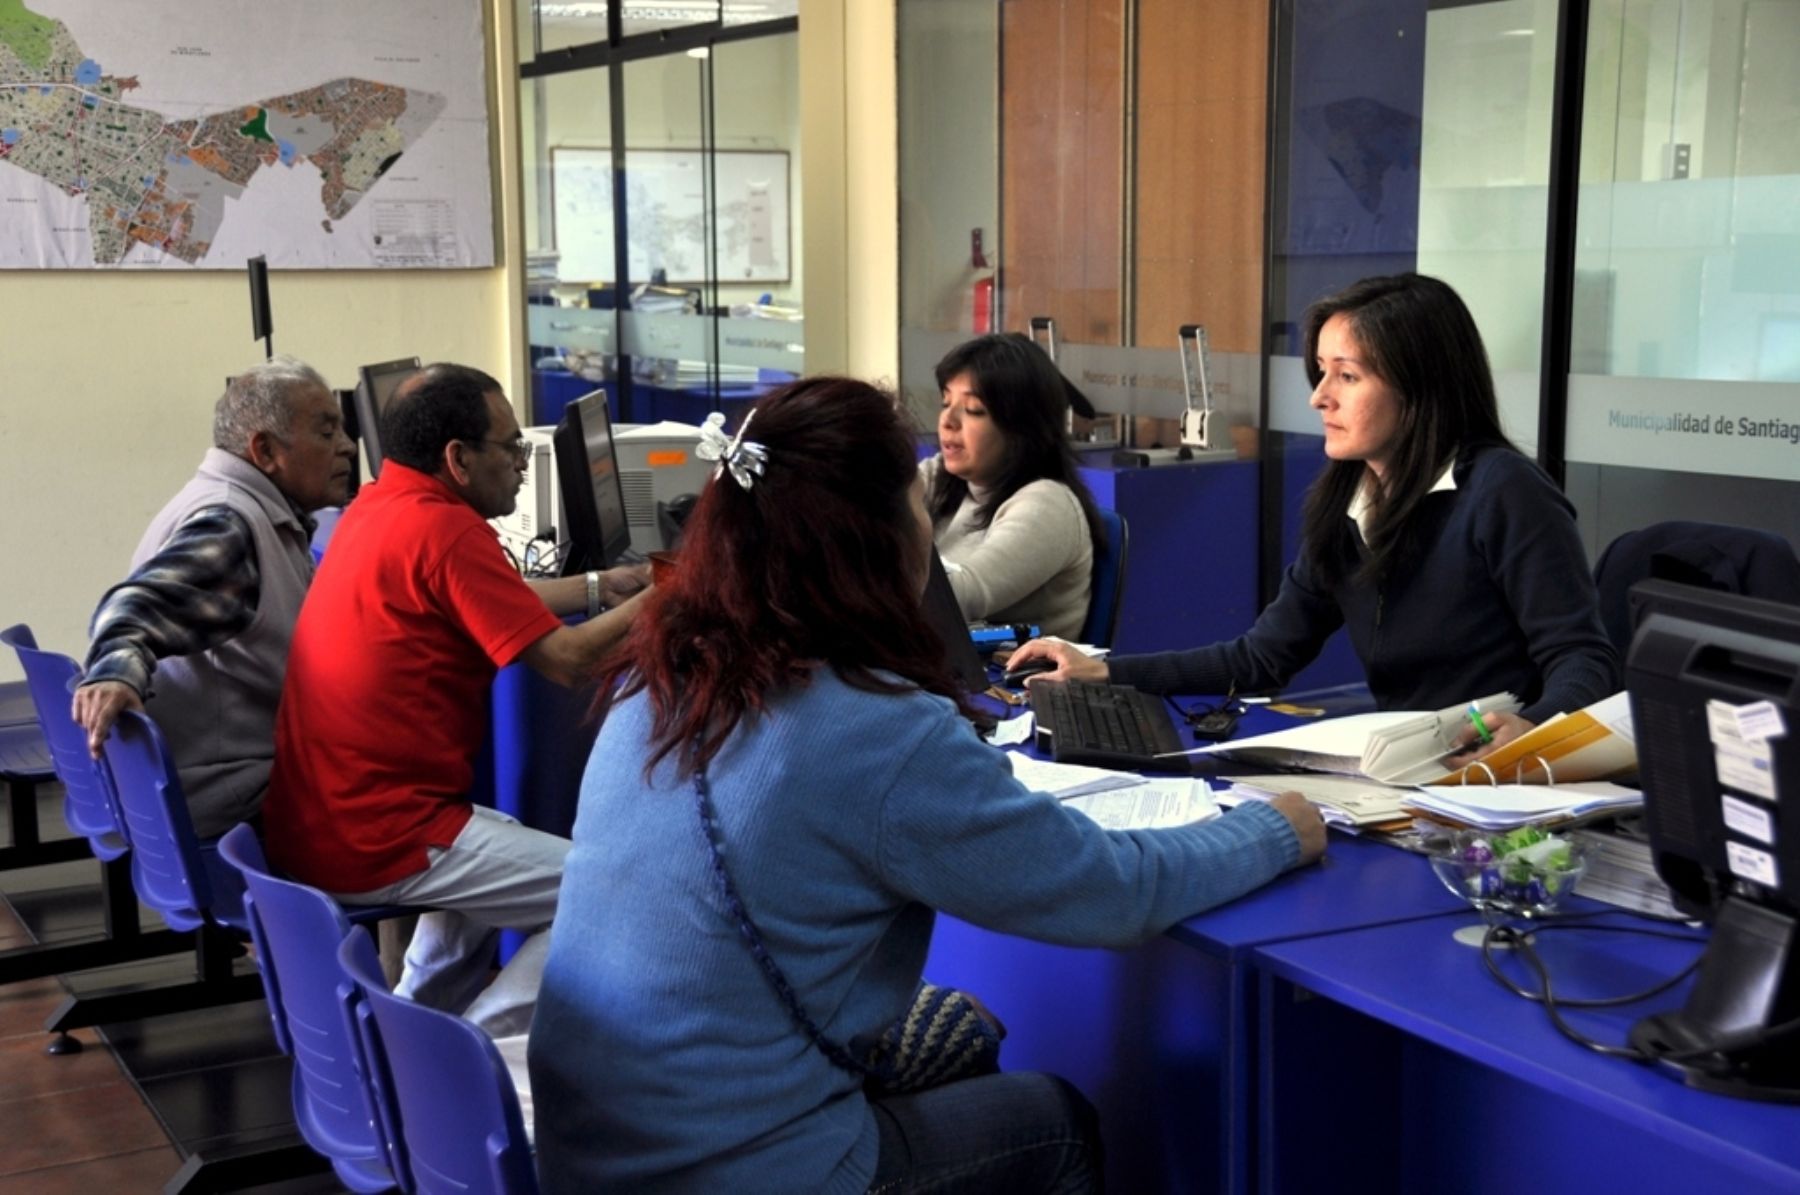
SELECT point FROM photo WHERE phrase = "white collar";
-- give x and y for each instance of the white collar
(1360, 502)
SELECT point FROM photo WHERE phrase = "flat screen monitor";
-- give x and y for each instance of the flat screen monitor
(1714, 680)
(946, 618)
(593, 494)
(374, 389)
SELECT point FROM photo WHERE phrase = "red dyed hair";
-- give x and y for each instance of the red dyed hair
(818, 564)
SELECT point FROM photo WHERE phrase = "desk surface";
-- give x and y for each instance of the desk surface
(1356, 884)
(1415, 977)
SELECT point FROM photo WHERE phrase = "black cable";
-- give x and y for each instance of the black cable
(1520, 939)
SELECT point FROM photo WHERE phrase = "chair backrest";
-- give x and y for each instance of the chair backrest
(242, 850)
(297, 930)
(458, 1119)
(89, 807)
(1711, 555)
(168, 868)
(1108, 593)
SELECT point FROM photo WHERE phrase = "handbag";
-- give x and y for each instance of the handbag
(942, 1037)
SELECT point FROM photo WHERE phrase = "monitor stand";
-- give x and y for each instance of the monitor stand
(1749, 983)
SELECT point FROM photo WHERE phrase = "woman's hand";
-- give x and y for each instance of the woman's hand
(1303, 815)
(1502, 729)
(1071, 663)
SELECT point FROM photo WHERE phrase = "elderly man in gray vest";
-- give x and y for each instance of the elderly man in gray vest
(215, 587)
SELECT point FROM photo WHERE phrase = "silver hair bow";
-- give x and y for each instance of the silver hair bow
(745, 458)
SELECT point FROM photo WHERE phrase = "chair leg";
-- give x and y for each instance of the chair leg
(60, 958)
(27, 849)
(203, 1174)
(107, 1008)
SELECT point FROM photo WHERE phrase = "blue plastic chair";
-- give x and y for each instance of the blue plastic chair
(1108, 594)
(297, 930)
(90, 809)
(446, 1092)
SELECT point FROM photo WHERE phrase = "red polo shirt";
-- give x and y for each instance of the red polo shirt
(385, 707)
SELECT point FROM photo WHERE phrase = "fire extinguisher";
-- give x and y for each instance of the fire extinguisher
(984, 305)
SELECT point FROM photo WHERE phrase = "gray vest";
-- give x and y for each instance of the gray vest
(217, 708)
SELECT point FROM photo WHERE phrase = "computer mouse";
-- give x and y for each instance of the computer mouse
(1015, 677)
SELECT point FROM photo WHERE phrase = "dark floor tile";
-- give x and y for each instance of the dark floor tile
(195, 1105)
(77, 873)
(160, 1046)
(76, 1126)
(31, 1073)
(145, 1170)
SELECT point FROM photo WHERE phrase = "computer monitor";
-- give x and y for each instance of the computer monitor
(593, 497)
(946, 618)
(1714, 680)
(374, 389)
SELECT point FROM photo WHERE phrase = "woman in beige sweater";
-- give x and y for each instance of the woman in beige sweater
(1012, 520)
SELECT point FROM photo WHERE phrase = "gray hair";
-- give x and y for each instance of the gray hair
(261, 399)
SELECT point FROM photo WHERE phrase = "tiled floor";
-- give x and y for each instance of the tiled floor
(123, 1114)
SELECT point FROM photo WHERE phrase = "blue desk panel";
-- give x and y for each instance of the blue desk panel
(1425, 1074)
(1191, 577)
(1161, 1038)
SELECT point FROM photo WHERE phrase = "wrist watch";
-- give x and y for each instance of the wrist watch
(593, 593)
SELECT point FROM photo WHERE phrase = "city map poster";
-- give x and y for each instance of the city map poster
(197, 133)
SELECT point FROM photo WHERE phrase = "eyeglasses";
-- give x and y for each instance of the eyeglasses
(519, 446)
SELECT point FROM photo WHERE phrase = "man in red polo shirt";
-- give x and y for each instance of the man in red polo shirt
(384, 710)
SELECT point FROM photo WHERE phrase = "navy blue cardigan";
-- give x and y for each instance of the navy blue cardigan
(1500, 601)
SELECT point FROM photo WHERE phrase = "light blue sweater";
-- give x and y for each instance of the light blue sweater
(660, 1058)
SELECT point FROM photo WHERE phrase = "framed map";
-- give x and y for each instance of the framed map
(198, 133)
(666, 211)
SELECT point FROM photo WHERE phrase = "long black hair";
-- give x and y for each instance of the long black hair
(1028, 399)
(1415, 334)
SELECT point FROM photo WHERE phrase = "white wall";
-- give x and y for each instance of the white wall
(110, 379)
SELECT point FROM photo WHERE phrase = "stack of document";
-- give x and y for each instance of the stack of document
(1342, 800)
(1118, 800)
(1394, 747)
(1504, 806)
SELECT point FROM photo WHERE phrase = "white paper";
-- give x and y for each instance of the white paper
(1345, 737)
(1614, 713)
(1502, 806)
(1748, 819)
(1014, 731)
(1154, 805)
(1744, 764)
(1751, 864)
(1067, 779)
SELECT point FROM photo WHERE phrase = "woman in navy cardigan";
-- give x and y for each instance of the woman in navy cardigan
(1450, 557)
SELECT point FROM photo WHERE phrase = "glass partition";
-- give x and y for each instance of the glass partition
(1684, 393)
(703, 307)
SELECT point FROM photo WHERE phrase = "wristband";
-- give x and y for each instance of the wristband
(593, 593)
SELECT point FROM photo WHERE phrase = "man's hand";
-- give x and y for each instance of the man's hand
(619, 584)
(97, 707)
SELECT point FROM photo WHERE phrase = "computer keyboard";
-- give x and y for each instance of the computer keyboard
(1111, 726)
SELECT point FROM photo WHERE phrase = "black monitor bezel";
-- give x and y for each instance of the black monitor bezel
(589, 544)
(368, 414)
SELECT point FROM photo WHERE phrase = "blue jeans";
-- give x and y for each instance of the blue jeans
(1022, 1132)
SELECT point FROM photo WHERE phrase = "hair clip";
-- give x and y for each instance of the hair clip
(745, 458)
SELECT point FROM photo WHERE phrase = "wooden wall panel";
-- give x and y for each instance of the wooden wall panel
(1202, 88)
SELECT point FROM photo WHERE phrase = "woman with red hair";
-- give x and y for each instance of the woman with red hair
(783, 790)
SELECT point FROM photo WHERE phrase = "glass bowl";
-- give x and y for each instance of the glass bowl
(1508, 874)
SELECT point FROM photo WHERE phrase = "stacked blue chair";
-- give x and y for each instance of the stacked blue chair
(194, 889)
(297, 930)
(24, 764)
(442, 1088)
(90, 809)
